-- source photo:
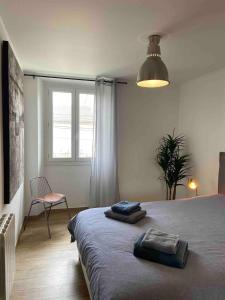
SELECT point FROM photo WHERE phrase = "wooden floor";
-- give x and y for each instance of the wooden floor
(48, 269)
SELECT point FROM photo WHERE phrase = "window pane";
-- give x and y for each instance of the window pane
(62, 126)
(86, 124)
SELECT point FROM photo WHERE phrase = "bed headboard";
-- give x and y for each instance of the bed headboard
(221, 177)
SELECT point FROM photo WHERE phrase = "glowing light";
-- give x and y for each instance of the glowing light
(152, 83)
(192, 184)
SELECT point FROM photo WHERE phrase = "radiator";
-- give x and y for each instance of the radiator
(7, 255)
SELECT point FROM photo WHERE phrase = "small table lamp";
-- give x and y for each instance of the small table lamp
(192, 184)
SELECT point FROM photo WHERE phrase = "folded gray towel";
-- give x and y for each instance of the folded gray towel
(161, 241)
(133, 218)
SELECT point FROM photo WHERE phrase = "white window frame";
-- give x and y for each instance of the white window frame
(75, 159)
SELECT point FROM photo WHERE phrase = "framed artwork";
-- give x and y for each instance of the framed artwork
(13, 122)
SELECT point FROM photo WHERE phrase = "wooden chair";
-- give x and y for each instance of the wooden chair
(41, 193)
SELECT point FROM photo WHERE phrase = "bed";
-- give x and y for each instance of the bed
(113, 273)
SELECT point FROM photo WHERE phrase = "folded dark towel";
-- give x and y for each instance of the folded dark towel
(132, 218)
(129, 213)
(125, 207)
(177, 260)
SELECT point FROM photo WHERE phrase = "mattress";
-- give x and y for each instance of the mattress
(106, 248)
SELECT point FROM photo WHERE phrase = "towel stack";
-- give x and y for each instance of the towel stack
(162, 247)
(125, 211)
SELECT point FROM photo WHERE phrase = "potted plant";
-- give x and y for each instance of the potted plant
(173, 162)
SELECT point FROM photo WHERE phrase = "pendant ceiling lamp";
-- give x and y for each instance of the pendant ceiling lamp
(153, 73)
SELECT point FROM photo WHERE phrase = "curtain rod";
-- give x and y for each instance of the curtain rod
(69, 78)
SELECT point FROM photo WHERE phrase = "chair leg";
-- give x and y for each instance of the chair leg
(49, 211)
(67, 209)
(46, 217)
(26, 222)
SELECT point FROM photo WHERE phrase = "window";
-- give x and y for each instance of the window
(62, 124)
(86, 124)
(71, 125)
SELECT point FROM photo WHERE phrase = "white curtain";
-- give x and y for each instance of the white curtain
(104, 188)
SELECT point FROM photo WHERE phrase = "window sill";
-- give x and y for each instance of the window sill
(68, 163)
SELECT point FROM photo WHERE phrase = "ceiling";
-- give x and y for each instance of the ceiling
(103, 37)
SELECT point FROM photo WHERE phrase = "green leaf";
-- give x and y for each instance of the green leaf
(172, 161)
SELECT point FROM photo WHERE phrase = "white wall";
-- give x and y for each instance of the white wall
(202, 120)
(73, 181)
(17, 204)
(40, 109)
(33, 113)
(144, 116)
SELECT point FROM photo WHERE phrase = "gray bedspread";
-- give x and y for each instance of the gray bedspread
(106, 248)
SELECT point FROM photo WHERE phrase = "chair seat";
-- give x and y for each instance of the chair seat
(51, 198)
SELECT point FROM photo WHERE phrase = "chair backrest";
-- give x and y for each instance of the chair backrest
(39, 187)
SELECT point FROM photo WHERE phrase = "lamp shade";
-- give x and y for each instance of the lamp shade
(153, 72)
